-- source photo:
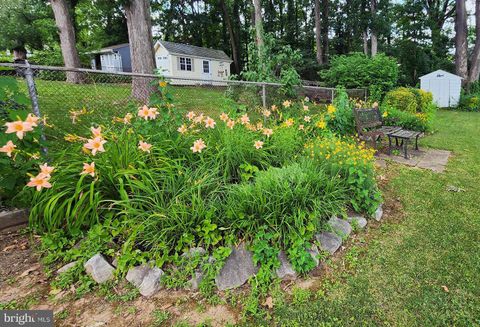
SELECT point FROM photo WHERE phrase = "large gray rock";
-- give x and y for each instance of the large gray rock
(340, 226)
(329, 242)
(151, 282)
(136, 274)
(67, 267)
(357, 221)
(285, 271)
(194, 282)
(238, 268)
(315, 254)
(99, 268)
(378, 213)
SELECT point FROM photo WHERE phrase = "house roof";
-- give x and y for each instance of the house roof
(192, 50)
(110, 48)
(439, 72)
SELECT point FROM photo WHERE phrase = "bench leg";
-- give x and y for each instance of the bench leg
(405, 147)
(416, 143)
(389, 145)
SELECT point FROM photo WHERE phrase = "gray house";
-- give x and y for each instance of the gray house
(115, 58)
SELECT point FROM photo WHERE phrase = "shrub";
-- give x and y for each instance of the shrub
(403, 99)
(469, 102)
(343, 121)
(357, 70)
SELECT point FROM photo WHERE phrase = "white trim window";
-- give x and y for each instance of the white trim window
(206, 66)
(186, 64)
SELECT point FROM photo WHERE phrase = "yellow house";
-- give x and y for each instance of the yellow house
(195, 65)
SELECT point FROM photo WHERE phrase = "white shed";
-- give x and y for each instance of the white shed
(444, 86)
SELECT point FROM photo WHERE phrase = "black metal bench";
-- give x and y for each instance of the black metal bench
(369, 125)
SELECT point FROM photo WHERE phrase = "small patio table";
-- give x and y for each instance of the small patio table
(405, 136)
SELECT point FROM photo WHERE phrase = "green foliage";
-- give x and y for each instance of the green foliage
(26, 155)
(274, 64)
(403, 99)
(469, 102)
(342, 122)
(288, 200)
(357, 70)
(409, 108)
(354, 165)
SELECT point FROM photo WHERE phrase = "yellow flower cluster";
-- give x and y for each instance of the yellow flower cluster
(342, 151)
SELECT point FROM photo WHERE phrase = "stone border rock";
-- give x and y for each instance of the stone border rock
(13, 218)
(238, 267)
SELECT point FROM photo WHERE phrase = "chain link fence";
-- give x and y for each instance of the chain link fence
(71, 98)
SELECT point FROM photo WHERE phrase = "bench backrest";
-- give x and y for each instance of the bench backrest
(367, 118)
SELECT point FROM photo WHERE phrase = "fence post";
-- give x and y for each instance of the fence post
(32, 91)
(333, 95)
(264, 95)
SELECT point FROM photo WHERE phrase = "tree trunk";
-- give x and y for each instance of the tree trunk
(259, 28)
(139, 26)
(461, 65)
(67, 39)
(475, 61)
(19, 54)
(325, 29)
(373, 32)
(318, 32)
(233, 44)
(365, 43)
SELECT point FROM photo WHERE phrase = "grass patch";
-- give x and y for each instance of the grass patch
(423, 269)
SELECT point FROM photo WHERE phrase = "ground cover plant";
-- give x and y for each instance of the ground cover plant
(154, 182)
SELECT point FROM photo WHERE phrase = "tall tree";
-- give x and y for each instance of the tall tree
(231, 33)
(461, 47)
(373, 29)
(325, 29)
(141, 45)
(68, 45)
(475, 60)
(258, 27)
(318, 32)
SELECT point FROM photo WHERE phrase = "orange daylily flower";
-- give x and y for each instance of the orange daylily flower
(258, 144)
(39, 182)
(88, 169)
(144, 146)
(198, 146)
(19, 127)
(8, 148)
(96, 145)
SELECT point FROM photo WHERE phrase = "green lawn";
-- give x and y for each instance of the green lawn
(421, 267)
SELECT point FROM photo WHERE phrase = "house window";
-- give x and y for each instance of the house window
(186, 64)
(206, 67)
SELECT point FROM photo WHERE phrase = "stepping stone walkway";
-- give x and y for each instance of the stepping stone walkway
(433, 159)
(238, 268)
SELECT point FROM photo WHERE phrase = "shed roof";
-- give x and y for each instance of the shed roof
(110, 48)
(440, 72)
(192, 50)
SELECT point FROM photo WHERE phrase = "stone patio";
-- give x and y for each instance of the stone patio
(432, 159)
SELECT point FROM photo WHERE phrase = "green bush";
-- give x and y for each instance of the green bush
(469, 102)
(357, 70)
(403, 99)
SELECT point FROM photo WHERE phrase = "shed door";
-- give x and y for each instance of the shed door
(206, 70)
(440, 89)
(163, 63)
